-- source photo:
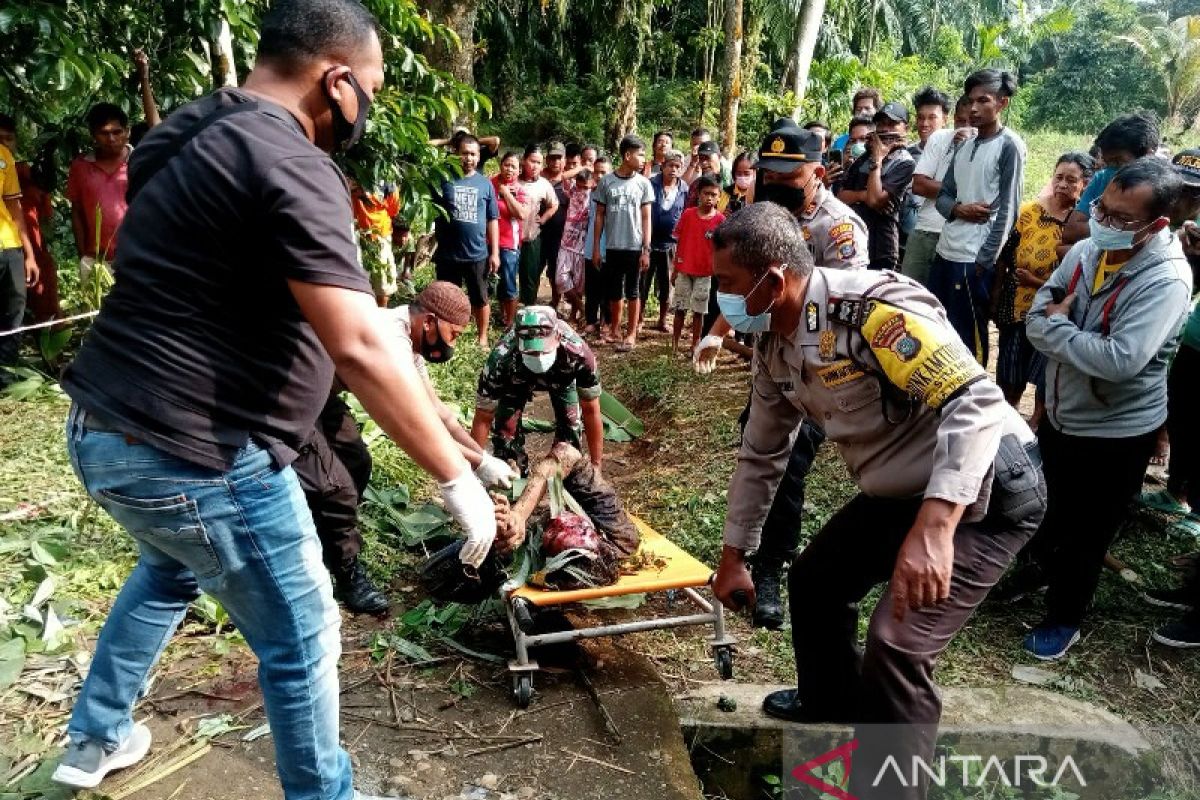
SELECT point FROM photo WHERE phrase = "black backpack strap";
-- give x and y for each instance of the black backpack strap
(143, 175)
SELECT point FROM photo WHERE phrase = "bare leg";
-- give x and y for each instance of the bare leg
(508, 311)
(482, 314)
(614, 321)
(635, 311)
(676, 329)
(697, 327)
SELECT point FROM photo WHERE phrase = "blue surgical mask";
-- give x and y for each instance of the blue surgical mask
(858, 149)
(539, 362)
(733, 308)
(1107, 238)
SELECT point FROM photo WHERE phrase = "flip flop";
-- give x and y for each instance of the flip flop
(624, 347)
(1163, 501)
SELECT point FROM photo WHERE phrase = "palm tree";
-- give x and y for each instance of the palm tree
(1175, 47)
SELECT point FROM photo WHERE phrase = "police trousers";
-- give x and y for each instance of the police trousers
(334, 467)
(889, 682)
(781, 530)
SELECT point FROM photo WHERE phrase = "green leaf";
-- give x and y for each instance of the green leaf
(41, 554)
(408, 649)
(12, 661)
(212, 727)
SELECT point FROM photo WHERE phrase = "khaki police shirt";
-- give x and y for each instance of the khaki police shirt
(836, 235)
(887, 379)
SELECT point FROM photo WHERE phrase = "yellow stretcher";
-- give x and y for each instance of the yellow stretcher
(668, 569)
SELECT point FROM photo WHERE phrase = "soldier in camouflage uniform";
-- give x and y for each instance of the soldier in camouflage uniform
(539, 353)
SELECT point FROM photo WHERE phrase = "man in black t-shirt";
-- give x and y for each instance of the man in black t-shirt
(239, 293)
(877, 183)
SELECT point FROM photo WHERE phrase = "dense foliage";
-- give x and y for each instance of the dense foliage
(1079, 62)
(58, 58)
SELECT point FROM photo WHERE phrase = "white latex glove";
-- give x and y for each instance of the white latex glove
(469, 504)
(704, 357)
(494, 472)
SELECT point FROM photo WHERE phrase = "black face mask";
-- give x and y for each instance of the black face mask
(345, 132)
(439, 351)
(792, 198)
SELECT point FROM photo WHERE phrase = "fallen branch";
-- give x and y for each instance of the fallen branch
(602, 763)
(505, 745)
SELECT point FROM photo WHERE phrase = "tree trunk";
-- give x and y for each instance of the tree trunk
(866, 59)
(752, 47)
(627, 40)
(224, 69)
(808, 28)
(622, 119)
(459, 16)
(731, 87)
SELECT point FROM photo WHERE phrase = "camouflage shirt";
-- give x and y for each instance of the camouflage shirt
(505, 374)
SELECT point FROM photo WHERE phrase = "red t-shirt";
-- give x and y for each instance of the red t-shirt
(694, 255)
(510, 226)
(91, 188)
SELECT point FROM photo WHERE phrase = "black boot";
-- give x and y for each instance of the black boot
(356, 592)
(768, 611)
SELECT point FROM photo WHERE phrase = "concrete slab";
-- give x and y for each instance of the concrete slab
(732, 751)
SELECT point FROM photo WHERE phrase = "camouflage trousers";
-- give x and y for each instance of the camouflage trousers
(508, 439)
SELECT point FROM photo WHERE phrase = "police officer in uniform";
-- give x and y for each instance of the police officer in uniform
(949, 476)
(790, 168)
(542, 353)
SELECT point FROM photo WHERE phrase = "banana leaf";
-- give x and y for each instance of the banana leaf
(620, 424)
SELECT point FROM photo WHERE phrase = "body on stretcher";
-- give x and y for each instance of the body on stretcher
(667, 567)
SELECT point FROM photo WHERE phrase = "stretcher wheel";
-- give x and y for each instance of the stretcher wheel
(724, 658)
(523, 689)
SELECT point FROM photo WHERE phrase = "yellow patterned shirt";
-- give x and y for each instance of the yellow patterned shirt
(1039, 235)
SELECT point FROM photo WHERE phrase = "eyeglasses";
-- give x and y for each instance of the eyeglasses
(1102, 216)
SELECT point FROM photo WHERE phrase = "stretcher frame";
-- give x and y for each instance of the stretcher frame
(683, 573)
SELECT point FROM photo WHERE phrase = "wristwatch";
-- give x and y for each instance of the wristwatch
(874, 166)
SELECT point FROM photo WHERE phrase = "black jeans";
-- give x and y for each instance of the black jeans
(1091, 482)
(334, 467)
(1183, 426)
(660, 274)
(890, 681)
(12, 306)
(595, 309)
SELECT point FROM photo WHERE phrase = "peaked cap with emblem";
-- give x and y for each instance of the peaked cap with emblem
(788, 147)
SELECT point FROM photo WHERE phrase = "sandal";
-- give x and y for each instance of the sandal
(625, 347)
(1163, 501)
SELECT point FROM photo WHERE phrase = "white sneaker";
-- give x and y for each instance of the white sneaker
(86, 763)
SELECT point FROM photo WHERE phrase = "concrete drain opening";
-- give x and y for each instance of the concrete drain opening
(989, 740)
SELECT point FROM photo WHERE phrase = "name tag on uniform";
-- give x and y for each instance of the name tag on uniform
(839, 372)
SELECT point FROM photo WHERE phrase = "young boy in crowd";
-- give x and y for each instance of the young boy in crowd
(692, 276)
(623, 201)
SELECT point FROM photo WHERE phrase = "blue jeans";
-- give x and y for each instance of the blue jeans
(509, 260)
(965, 295)
(245, 537)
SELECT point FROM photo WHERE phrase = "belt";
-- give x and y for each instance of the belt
(92, 422)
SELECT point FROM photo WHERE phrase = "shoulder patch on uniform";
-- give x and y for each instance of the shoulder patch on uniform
(843, 230)
(928, 361)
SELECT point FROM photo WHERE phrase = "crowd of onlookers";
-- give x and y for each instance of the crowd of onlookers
(936, 183)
